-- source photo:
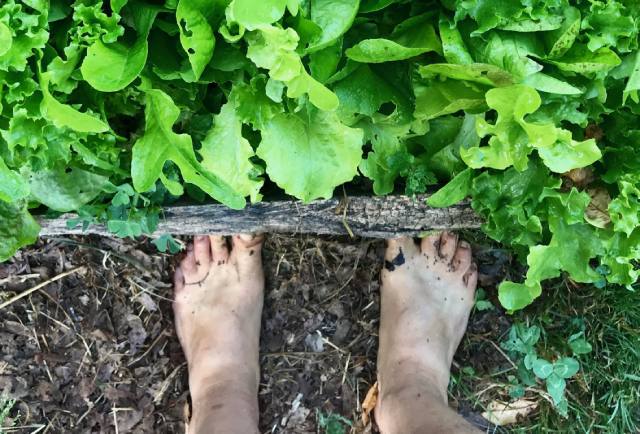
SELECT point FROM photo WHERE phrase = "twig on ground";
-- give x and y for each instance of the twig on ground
(346, 368)
(166, 383)
(162, 334)
(344, 203)
(500, 351)
(40, 285)
(19, 278)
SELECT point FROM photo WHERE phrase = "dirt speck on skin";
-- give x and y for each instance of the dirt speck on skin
(103, 342)
(395, 262)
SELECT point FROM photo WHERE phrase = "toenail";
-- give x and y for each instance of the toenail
(464, 245)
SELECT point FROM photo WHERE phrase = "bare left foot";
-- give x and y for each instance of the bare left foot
(217, 308)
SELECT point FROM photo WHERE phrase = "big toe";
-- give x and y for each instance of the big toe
(398, 249)
(178, 281)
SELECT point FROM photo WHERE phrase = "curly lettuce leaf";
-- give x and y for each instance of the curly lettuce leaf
(273, 49)
(160, 144)
(24, 31)
(513, 138)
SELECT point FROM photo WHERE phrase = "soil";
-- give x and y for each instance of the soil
(96, 352)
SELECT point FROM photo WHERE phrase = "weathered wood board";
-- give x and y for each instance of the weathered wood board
(367, 216)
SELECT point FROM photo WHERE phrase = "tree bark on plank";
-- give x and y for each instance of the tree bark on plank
(366, 216)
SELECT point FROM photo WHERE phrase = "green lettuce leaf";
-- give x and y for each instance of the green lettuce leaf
(195, 19)
(389, 158)
(273, 48)
(160, 144)
(62, 115)
(254, 15)
(226, 154)
(65, 190)
(454, 191)
(17, 228)
(334, 17)
(410, 38)
(309, 154)
(112, 67)
(12, 186)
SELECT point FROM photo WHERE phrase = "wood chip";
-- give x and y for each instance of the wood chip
(506, 413)
(369, 403)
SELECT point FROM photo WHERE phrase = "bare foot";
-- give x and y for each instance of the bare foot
(427, 295)
(217, 308)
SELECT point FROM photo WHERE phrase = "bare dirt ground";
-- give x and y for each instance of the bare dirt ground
(95, 351)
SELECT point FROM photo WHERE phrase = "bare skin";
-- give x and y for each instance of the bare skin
(217, 307)
(427, 294)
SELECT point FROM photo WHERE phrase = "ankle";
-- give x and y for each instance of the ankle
(406, 371)
(208, 380)
(414, 386)
(404, 408)
(224, 407)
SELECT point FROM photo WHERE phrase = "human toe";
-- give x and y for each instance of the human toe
(448, 245)
(247, 249)
(202, 251)
(462, 258)
(398, 250)
(219, 249)
(188, 264)
(470, 278)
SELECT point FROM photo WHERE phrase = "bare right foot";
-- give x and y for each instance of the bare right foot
(427, 296)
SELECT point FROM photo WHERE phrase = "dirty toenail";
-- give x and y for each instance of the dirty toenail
(200, 237)
(464, 245)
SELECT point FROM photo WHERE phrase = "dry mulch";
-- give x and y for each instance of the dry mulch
(96, 351)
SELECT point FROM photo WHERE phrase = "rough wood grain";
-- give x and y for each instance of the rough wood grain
(375, 217)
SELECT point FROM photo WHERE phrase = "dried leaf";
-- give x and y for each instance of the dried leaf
(369, 403)
(137, 333)
(505, 413)
(147, 302)
(580, 177)
(597, 212)
(593, 131)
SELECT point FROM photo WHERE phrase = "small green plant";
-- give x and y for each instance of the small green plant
(6, 405)
(166, 243)
(481, 303)
(522, 342)
(333, 423)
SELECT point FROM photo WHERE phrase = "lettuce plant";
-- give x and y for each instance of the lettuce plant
(115, 108)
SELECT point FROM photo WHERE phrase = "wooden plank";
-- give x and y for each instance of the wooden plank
(367, 216)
